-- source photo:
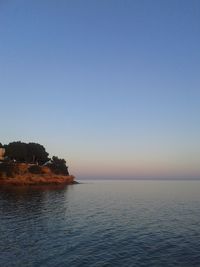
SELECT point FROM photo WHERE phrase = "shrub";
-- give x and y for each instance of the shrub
(58, 166)
(35, 169)
(6, 169)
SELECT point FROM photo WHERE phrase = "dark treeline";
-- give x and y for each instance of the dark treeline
(58, 166)
(33, 153)
(29, 153)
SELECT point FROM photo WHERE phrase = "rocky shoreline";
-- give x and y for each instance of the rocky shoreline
(38, 180)
(19, 175)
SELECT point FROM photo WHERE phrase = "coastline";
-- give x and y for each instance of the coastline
(29, 180)
(19, 174)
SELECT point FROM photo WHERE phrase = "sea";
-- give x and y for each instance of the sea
(101, 223)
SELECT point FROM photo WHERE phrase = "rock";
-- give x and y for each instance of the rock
(19, 174)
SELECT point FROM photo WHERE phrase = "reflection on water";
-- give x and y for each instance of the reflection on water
(113, 223)
(29, 199)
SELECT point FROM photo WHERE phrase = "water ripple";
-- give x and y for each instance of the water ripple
(101, 224)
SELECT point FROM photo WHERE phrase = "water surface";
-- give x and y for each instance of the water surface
(101, 223)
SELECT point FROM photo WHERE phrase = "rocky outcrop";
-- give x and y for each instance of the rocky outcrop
(29, 174)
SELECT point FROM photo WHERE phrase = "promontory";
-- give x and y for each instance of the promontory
(29, 164)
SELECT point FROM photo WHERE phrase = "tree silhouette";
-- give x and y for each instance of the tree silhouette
(36, 154)
(16, 151)
(58, 166)
(30, 153)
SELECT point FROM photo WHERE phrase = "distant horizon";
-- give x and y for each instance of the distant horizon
(137, 179)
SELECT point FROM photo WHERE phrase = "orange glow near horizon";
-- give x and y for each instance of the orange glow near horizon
(134, 169)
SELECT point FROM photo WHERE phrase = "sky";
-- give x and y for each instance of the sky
(111, 86)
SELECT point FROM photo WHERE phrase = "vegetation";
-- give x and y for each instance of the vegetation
(58, 166)
(33, 153)
(7, 170)
(29, 153)
(35, 169)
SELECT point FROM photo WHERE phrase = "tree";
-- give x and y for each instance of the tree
(37, 153)
(58, 166)
(30, 153)
(34, 153)
(16, 151)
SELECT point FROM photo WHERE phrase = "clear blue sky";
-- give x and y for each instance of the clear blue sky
(112, 86)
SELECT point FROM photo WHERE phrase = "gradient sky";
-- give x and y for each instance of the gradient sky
(112, 86)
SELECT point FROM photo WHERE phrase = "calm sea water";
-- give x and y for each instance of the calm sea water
(101, 223)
